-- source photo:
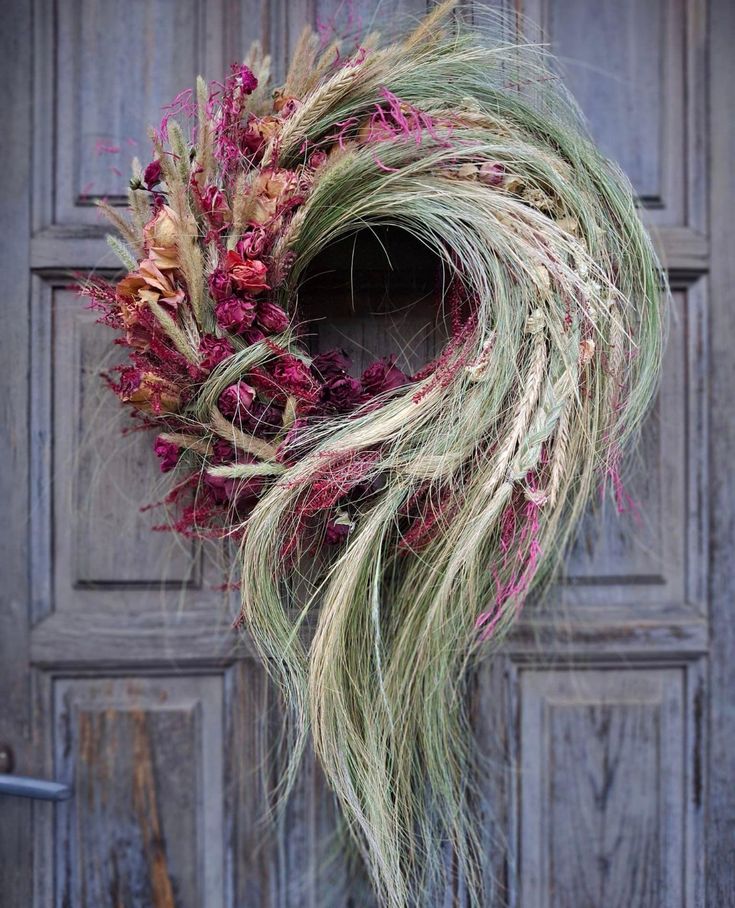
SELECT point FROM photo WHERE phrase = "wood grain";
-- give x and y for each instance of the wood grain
(720, 873)
(15, 221)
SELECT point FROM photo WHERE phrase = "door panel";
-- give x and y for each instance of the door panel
(145, 826)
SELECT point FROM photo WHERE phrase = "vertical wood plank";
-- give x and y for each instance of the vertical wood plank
(15, 68)
(720, 873)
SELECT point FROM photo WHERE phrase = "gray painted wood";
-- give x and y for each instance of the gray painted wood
(15, 216)
(592, 720)
(145, 826)
(720, 716)
(603, 795)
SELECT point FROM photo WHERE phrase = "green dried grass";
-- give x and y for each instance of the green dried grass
(382, 683)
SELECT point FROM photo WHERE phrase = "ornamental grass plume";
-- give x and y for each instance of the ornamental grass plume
(441, 498)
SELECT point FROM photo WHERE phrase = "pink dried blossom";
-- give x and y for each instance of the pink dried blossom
(235, 314)
(250, 274)
(214, 350)
(167, 452)
(383, 375)
(236, 399)
(272, 317)
(220, 284)
(252, 243)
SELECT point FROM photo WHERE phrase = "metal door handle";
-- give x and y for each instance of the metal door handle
(41, 789)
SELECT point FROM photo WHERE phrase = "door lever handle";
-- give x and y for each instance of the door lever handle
(40, 789)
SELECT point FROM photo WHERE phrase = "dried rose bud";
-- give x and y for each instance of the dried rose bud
(235, 314)
(236, 399)
(214, 350)
(272, 317)
(382, 376)
(152, 174)
(167, 452)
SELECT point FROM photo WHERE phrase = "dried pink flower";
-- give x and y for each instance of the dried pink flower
(167, 452)
(220, 284)
(252, 243)
(383, 375)
(272, 317)
(236, 399)
(214, 350)
(250, 274)
(292, 374)
(235, 314)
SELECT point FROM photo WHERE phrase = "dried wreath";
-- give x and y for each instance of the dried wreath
(448, 493)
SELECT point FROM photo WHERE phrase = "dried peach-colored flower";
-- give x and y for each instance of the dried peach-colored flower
(270, 190)
(153, 394)
(161, 235)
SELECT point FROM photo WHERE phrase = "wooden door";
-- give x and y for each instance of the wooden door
(608, 715)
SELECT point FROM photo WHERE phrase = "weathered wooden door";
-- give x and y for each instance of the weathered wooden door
(611, 712)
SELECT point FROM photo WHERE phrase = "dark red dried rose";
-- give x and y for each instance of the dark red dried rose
(236, 400)
(152, 174)
(222, 452)
(235, 314)
(293, 377)
(337, 530)
(214, 350)
(272, 317)
(167, 452)
(220, 284)
(332, 364)
(264, 420)
(253, 336)
(341, 394)
(383, 375)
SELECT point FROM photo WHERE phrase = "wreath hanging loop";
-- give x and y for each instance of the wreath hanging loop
(442, 497)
